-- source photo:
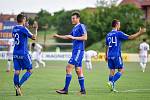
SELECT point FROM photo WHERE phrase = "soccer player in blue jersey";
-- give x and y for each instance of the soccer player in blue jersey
(78, 35)
(21, 57)
(113, 51)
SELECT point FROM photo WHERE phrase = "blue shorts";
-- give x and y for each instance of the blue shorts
(76, 58)
(22, 62)
(115, 63)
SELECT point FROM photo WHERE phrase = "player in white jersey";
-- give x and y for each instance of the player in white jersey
(10, 53)
(88, 55)
(37, 54)
(143, 54)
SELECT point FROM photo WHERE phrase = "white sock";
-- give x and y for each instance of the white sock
(37, 64)
(8, 65)
(42, 62)
(144, 66)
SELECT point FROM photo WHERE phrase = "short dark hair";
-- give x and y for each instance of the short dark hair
(76, 13)
(144, 40)
(20, 18)
(114, 22)
(33, 44)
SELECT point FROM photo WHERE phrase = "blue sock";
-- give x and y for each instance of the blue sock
(81, 82)
(67, 82)
(25, 77)
(116, 77)
(16, 79)
(110, 78)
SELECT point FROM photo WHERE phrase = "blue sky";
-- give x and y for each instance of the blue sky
(17, 6)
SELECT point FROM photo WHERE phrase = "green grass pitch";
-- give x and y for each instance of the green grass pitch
(133, 85)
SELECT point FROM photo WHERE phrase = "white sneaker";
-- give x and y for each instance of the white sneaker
(110, 85)
(36, 66)
(114, 90)
(44, 64)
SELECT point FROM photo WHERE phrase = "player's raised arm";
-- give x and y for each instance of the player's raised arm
(83, 37)
(134, 36)
(35, 26)
(66, 37)
(34, 35)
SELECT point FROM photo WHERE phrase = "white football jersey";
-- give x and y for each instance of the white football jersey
(89, 54)
(38, 47)
(144, 48)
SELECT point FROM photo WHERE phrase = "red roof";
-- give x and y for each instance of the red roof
(138, 3)
(4, 17)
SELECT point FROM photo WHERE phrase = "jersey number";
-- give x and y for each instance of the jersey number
(112, 40)
(17, 39)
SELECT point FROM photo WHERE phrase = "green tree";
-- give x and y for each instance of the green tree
(129, 16)
(44, 18)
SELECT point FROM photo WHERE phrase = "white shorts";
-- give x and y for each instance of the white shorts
(143, 59)
(9, 55)
(88, 65)
(37, 56)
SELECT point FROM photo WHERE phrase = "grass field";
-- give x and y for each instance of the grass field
(134, 84)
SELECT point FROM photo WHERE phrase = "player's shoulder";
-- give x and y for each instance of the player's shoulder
(81, 25)
(37, 44)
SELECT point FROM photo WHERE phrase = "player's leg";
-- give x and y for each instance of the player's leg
(40, 59)
(35, 58)
(141, 62)
(25, 77)
(80, 79)
(144, 63)
(90, 65)
(42, 62)
(78, 68)
(110, 83)
(8, 65)
(69, 69)
(87, 65)
(36, 63)
(119, 65)
(118, 75)
(16, 83)
(16, 77)
(26, 64)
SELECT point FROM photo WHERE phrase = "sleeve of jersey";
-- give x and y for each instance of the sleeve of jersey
(83, 29)
(123, 36)
(140, 47)
(27, 32)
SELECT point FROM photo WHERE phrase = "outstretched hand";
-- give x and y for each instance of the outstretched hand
(56, 36)
(142, 30)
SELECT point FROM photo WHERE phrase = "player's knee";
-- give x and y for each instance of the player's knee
(68, 70)
(17, 72)
(30, 71)
(121, 71)
(79, 72)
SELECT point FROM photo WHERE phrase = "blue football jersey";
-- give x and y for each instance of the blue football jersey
(78, 31)
(113, 41)
(21, 35)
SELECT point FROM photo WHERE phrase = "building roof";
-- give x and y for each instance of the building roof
(137, 3)
(4, 17)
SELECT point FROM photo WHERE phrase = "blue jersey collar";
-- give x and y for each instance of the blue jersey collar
(77, 25)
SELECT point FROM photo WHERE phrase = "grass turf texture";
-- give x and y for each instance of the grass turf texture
(134, 84)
